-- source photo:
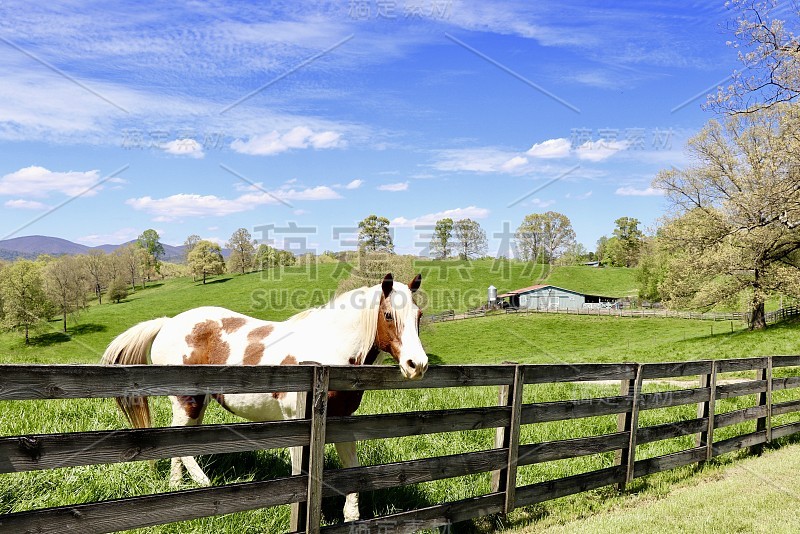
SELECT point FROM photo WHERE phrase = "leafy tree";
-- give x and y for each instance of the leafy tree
(470, 239)
(149, 242)
(118, 290)
(267, 257)
(25, 303)
(374, 235)
(190, 243)
(600, 251)
(95, 264)
(206, 259)
(65, 285)
(574, 254)
(441, 242)
(369, 268)
(769, 49)
(652, 269)
(242, 249)
(544, 236)
(737, 230)
(630, 240)
(614, 254)
(131, 258)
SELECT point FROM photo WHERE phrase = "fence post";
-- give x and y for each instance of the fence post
(629, 422)
(505, 480)
(765, 399)
(707, 409)
(314, 404)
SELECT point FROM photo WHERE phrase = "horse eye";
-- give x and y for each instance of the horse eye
(388, 316)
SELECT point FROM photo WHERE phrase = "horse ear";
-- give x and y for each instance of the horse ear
(415, 283)
(387, 284)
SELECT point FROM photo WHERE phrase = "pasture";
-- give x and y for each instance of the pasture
(526, 339)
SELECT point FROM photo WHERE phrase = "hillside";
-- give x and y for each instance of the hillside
(606, 281)
(34, 245)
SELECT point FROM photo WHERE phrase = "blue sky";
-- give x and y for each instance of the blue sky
(204, 117)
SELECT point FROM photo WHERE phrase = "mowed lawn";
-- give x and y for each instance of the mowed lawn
(752, 495)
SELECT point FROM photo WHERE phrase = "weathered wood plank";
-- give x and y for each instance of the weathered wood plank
(786, 361)
(785, 430)
(364, 427)
(319, 411)
(561, 487)
(350, 377)
(547, 451)
(51, 451)
(739, 416)
(675, 429)
(669, 461)
(440, 515)
(788, 382)
(376, 477)
(711, 410)
(577, 372)
(739, 442)
(574, 409)
(629, 453)
(672, 369)
(502, 437)
(29, 382)
(741, 364)
(780, 408)
(137, 512)
(513, 439)
(668, 399)
(737, 389)
(765, 399)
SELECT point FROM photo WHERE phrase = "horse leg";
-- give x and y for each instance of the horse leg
(187, 411)
(347, 454)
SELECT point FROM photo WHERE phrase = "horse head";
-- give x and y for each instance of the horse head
(398, 326)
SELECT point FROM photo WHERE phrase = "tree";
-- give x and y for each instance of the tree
(242, 249)
(600, 251)
(65, 285)
(441, 242)
(130, 257)
(189, 244)
(530, 237)
(95, 264)
(374, 235)
(267, 256)
(652, 269)
(769, 49)
(737, 230)
(206, 259)
(149, 242)
(25, 303)
(117, 291)
(470, 239)
(574, 254)
(630, 240)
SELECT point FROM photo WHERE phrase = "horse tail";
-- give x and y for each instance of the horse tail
(131, 348)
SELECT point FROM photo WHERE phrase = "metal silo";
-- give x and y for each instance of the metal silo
(492, 295)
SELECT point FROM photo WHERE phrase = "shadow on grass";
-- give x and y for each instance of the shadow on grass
(88, 328)
(217, 281)
(49, 339)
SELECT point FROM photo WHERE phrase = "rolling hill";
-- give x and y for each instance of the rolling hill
(34, 245)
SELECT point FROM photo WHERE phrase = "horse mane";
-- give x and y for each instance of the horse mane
(367, 325)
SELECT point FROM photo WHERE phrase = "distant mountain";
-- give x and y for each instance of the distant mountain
(34, 245)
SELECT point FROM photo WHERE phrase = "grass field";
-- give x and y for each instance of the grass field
(537, 338)
(606, 281)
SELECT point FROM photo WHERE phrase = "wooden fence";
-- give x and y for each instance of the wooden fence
(306, 490)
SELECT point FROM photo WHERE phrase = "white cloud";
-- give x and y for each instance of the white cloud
(633, 192)
(599, 150)
(470, 212)
(40, 182)
(400, 186)
(193, 205)
(539, 203)
(185, 147)
(296, 138)
(123, 235)
(21, 204)
(582, 196)
(355, 184)
(552, 148)
(514, 163)
(484, 159)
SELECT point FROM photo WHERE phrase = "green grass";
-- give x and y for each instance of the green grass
(536, 338)
(606, 281)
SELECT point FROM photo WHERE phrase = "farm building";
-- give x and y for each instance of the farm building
(548, 297)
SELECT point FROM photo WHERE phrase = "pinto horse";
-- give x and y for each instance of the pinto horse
(352, 329)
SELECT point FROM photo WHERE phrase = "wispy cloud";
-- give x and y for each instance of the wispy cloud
(634, 192)
(355, 184)
(470, 212)
(552, 148)
(21, 204)
(185, 147)
(399, 186)
(123, 235)
(599, 150)
(296, 138)
(193, 205)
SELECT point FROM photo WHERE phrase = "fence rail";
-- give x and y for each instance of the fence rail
(305, 491)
